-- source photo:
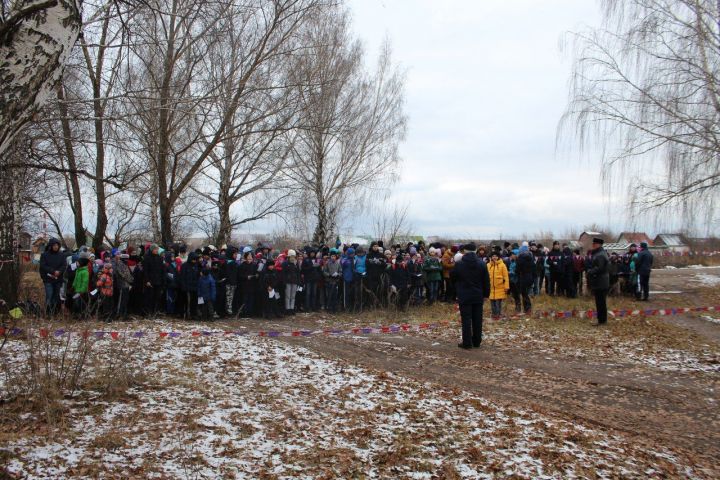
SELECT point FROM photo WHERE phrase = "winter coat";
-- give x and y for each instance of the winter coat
(82, 280)
(375, 264)
(644, 262)
(228, 271)
(448, 263)
(525, 267)
(360, 265)
(399, 277)
(347, 264)
(598, 274)
(310, 270)
(499, 280)
(540, 264)
(472, 281)
(154, 270)
(415, 272)
(433, 269)
(206, 288)
(290, 273)
(245, 270)
(51, 262)
(578, 263)
(332, 271)
(105, 284)
(554, 261)
(271, 280)
(123, 275)
(190, 274)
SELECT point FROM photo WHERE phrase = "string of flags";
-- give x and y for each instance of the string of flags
(365, 330)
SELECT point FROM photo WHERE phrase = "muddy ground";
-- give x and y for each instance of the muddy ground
(647, 381)
(674, 408)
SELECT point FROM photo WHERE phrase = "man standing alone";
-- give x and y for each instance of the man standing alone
(599, 279)
(472, 284)
(643, 266)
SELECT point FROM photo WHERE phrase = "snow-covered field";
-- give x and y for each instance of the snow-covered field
(237, 407)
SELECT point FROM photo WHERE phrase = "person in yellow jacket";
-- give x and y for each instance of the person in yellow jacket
(499, 284)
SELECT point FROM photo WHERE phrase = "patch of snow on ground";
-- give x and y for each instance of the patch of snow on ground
(238, 407)
(707, 280)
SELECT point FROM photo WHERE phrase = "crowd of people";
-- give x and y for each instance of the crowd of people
(259, 281)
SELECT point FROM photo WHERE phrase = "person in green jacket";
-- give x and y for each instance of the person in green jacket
(433, 272)
(80, 285)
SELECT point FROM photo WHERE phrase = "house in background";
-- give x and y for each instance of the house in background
(586, 238)
(634, 237)
(672, 242)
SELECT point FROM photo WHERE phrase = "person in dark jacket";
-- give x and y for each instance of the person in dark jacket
(472, 284)
(189, 277)
(554, 261)
(247, 279)
(332, 271)
(154, 278)
(598, 277)
(170, 282)
(643, 266)
(291, 279)
(568, 273)
(539, 268)
(228, 278)
(310, 270)
(375, 265)
(271, 296)
(399, 280)
(52, 268)
(525, 270)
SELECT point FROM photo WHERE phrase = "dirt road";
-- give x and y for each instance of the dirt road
(674, 409)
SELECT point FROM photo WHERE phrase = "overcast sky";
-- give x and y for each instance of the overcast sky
(486, 86)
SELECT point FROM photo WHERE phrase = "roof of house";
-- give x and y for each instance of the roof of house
(635, 237)
(670, 239)
(616, 246)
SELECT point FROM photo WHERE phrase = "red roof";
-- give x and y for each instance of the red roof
(636, 238)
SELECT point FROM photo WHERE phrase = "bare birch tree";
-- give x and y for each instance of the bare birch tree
(35, 40)
(352, 122)
(243, 168)
(181, 128)
(645, 94)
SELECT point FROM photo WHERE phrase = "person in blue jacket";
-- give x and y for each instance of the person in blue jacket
(360, 278)
(206, 293)
(348, 271)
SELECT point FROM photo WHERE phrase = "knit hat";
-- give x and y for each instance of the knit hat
(454, 249)
(413, 251)
(458, 257)
(643, 245)
(247, 249)
(470, 247)
(597, 240)
(350, 251)
(292, 253)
